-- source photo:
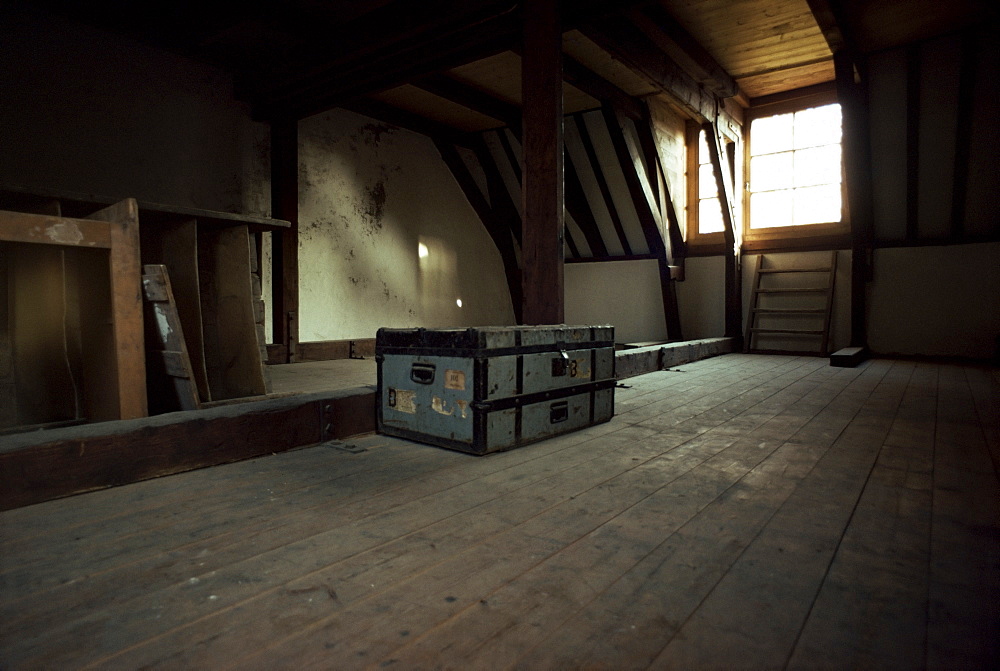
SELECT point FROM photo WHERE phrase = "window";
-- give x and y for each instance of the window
(709, 206)
(704, 208)
(794, 190)
(795, 168)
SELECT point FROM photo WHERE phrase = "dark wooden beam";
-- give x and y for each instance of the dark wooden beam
(647, 220)
(625, 42)
(912, 142)
(677, 248)
(285, 243)
(60, 462)
(734, 280)
(830, 20)
(963, 133)
(597, 87)
(542, 189)
(579, 209)
(386, 70)
(395, 116)
(495, 225)
(656, 24)
(606, 259)
(857, 169)
(500, 198)
(478, 101)
(602, 182)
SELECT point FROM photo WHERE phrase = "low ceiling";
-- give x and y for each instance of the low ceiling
(452, 66)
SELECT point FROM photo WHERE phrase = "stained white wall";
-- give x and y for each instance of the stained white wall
(369, 196)
(92, 112)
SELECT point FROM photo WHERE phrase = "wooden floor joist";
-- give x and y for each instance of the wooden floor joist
(741, 511)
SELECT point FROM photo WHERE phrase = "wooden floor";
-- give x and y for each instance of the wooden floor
(742, 511)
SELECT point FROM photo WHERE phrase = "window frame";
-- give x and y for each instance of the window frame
(705, 244)
(822, 235)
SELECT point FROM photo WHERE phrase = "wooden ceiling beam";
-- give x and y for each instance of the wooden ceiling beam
(625, 42)
(664, 31)
(471, 98)
(578, 75)
(832, 22)
(390, 114)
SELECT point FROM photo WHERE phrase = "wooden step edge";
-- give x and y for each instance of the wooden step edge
(789, 331)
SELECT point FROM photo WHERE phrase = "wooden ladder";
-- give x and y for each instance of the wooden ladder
(793, 303)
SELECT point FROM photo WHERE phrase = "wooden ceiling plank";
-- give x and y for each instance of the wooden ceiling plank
(625, 42)
(670, 36)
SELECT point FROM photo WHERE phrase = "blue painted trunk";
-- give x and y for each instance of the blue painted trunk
(493, 388)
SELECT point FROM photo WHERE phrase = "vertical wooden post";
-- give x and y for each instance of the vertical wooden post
(285, 244)
(857, 164)
(126, 307)
(542, 190)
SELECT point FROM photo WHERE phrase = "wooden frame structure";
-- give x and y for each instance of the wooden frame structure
(114, 374)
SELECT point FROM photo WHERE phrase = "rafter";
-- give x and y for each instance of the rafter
(656, 24)
(462, 94)
(628, 44)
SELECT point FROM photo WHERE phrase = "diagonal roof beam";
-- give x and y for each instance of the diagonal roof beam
(390, 114)
(624, 41)
(656, 24)
(478, 101)
(598, 87)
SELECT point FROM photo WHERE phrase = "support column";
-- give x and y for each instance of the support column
(542, 189)
(857, 168)
(285, 243)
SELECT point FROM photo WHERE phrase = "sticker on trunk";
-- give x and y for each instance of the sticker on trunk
(403, 400)
(454, 379)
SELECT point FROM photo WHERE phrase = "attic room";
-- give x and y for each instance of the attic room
(208, 211)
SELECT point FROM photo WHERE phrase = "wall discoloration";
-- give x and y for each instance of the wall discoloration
(369, 194)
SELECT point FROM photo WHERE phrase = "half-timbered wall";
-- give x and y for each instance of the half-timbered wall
(935, 142)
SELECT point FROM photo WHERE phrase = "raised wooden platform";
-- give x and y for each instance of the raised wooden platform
(739, 512)
(312, 401)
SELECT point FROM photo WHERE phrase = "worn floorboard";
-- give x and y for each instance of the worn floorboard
(744, 511)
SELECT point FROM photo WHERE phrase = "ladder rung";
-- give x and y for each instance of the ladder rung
(790, 331)
(793, 291)
(794, 270)
(790, 311)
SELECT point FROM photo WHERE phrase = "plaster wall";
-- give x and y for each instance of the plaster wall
(623, 293)
(701, 298)
(372, 199)
(97, 113)
(939, 301)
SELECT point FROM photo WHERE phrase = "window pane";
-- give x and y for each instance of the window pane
(771, 208)
(771, 172)
(707, 187)
(771, 134)
(709, 216)
(703, 155)
(817, 204)
(817, 126)
(819, 165)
